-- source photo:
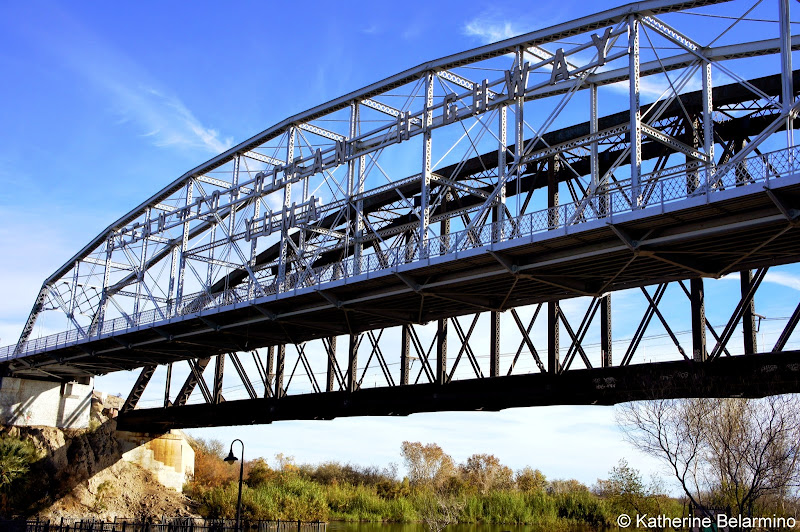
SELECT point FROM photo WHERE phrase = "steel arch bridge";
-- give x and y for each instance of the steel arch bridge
(435, 207)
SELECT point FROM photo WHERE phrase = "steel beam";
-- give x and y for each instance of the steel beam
(494, 344)
(138, 387)
(749, 314)
(352, 362)
(606, 339)
(405, 352)
(219, 372)
(697, 298)
(441, 352)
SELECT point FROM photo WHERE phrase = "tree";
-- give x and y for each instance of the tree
(259, 474)
(484, 472)
(16, 458)
(428, 465)
(732, 451)
(529, 479)
(429, 470)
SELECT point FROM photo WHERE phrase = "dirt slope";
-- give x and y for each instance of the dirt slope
(81, 474)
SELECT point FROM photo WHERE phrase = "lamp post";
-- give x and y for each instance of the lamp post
(231, 459)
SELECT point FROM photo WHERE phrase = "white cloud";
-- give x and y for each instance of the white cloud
(489, 31)
(131, 91)
(782, 278)
(163, 117)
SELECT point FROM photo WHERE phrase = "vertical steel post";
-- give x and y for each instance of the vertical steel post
(280, 370)
(605, 332)
(269, 390)
(498, 211)
(355, 186)
(140, 273)
(289, 172)
(749, 315)
(708, 119)
(553, 364)
(168, 386)
(698, 302)
(405, 351)
(494, 346)
(352, 363)
(253, 242)
(635, 112)
(787, 90)
(331, 348)
(103, 303)
(425, 214)
(441, 351)
(553, 333)
(219, 370)
(594, 158)
(552, 191)
(234, 195)
(519, 127)
(184, 247)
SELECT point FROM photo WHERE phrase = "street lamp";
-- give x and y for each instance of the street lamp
(231, 459)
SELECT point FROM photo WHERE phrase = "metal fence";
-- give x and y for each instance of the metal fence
(162, 525)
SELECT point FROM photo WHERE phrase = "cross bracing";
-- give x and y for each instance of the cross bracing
(434, 193)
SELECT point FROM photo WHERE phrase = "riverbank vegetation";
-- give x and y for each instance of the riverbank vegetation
(436, 491)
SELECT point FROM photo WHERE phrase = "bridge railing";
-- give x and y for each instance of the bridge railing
(665, 186)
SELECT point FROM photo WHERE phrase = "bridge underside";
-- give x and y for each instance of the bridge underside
(755, 376)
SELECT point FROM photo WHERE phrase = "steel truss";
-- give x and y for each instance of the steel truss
(518, 192)
(452, 362)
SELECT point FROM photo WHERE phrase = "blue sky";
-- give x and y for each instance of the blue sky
(105, 103)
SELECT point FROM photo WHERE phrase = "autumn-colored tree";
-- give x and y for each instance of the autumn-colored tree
(210, 470)
(259, 473)
(427, 465)
(484, 472)
(429, 470)
(529, 479)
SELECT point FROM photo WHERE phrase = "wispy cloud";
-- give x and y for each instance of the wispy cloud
(495, 25)
(162, 117)
(782, 278)
(488, 31)
(130, 90)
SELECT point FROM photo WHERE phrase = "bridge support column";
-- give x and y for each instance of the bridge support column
(331, 348)
(697, 295)
(553, 362)
(167, 386)
(749, 314)
(25, 402)
(279, 370)
(269, 373)
(219, 369)
(494, 347)
(605, 332)
(405, 351)
(352, 362)
(441, 352)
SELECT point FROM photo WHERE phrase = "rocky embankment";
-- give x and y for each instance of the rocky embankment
(81, 474)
